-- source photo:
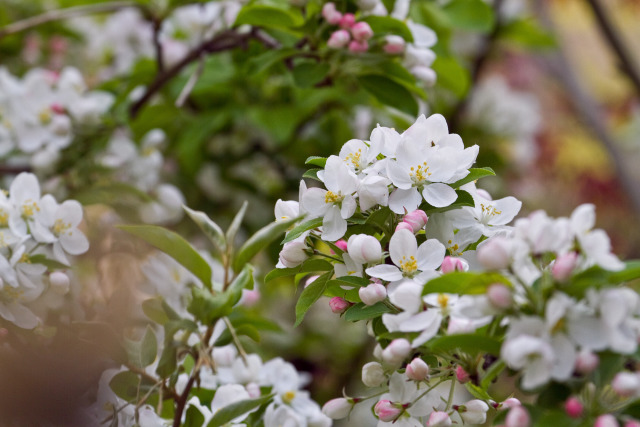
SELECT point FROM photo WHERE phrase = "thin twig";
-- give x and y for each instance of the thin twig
(627, 63)
(157, 26)
(59, 14)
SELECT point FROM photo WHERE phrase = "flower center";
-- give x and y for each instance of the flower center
(443, 300)
(9, 294)
(420, 173)
(60, 227)
(354, 158)
(45, 116)
(409, 266)
(4, 218)
(488, 212)
(332, 197)
(288, 397)
(29, 208)
(454, 249)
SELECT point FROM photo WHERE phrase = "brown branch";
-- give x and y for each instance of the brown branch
(157, 26)
(627, 63)
(59, 14)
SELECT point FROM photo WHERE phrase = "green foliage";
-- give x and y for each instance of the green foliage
(470, 15)
(229, 412)
(269, 16)
(364, 312)
(389, 92)
(597, 277)
(467, 343)
(310, 295)
(463, 283)
(259, 241)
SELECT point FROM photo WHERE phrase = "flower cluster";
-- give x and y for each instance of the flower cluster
(37, 235)
(431, 260)
(38, 113)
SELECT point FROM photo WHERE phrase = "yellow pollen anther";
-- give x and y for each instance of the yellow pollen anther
(420, 173)
(25, 258)
(409, 266)
(288, 397)
(4, 218)
(489, 210)
(332, 197)
(443, 300)
(60, 227)
(354, 158)
(29, 208)
(45, 116)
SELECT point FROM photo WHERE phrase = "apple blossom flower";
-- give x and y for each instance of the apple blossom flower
(606, 420)
(347, 21)
(338, 408)
(386, 410)
(339, 39)
(563, 266)
(339, 305)
(396, 351)
(416, 219)
(586, 362)
(372, 293)
(573, 407)
(330, 13)
(499, 296)
(293, 254)
(517, 416)
(532, 355)
(452, 264)
(358, 46)
(417, 370)
(361, 31)
(364, 249)
(439, 419)
(626, 384)
(462, 375)
(494, 253)
(473, 412)
(394, 44)
(59, 282)
(373, 374)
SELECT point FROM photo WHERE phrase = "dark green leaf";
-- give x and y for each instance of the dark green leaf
(470, 15)
(148, 347)
(312, 174)
(244, 280)
(260, 240)
(492, 373)
(596, 277)
(468, 343)
(452, 75)
(389, 92)
(527, 33)
(209, 227)
(300, 229)
(364, 312)
(309, 266)
(388, 25)
(125, 385)
(474, 174)
(463, 283)
(310, 294)
(154, 310)
(176, 247)
(263, 15)
(316, 161)
(230, 412)
(207, 308)
(477, 392)
(235, 224)
(168, 361)
(194, 418)
(308, 74)
(47, 262)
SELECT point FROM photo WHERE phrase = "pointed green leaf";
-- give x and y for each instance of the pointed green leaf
(210, 228)
(312, 174)
(194, 418)
(260, 240)
(470, 15)
(176, 247)
(316, 161)
(230, 412)
(309, 266)
(263, 15)
(308, 74)
(597, 277)
(311, 294)
(467, 343)
(47, 262)
(389, 92)
(235, 224)
(388, 25)
(364, 312)
(148, 347)
(153, 309)
(474, 174)
(244, 280)
(298, 230)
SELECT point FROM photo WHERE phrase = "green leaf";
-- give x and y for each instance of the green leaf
(244, 280)
(597, 277)
(493, 372)
(316, 161)
(125, 385)
(468, 343)
(235, 224)
(388, 25)
(229, 412)
(267, 16)
(528, 33)
(207, 307)
(477, 392)
(209, 227)
(363, 312)
(47, 262)
(380, 218)
(168, 360)
(474, 174)
(194, 418)
(246, 330)
(452, 75)
(312, 174)
(470, 15)
(389, 92)
(464, 199)
(463, 283)
(308, 74)
(300, 229)
(260, 240)
(268, 59)
(311, 294)
(154, 310)
(309, 266)
(148, 347)
(335, 288)
(176, 247)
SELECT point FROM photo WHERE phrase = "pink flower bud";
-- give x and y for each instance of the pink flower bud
(57, 108)
(417, 370)
(373, 293)
(404, 226)
(494, 253)
(394, 45)
(517, 417)
(361, 31)
(59, 282)
(373, 374)
(386, 411)
(564, 266)
(249, 297)
(439, 419)
(573, 407)
(330, 13)
(511, 402)
(451, 264)
(338, 305)
(606, 420)
(347, 21)
(342, 244)
(586, 362)
(337, 409)
(632, 423)
(499, 296)
(626, 384)
(293, 254)
(364, 249)
(462, 375)
(416, 219)
(356, 46)
(396, 351)
(339, 39)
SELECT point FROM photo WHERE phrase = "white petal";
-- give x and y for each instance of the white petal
(430, 255)
(439, 195)
(333, 225)
(385, 272)
(508, 208)
(74, 242)
(70, 211)
(399, 175)
(348, 207)
(402, 244)
(404, 200)
(583, 218)
(313, 201)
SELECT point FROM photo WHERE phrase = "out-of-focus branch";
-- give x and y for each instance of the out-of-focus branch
(59, 14)
(587, 108)
(226, 40)
(478, 65)
(627, 64)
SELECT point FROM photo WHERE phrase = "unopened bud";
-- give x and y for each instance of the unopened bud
(632, 423)
(396, 351)
(373, 374)
(373, 293)
(586, 362)
(494, 254)
(339, 305)
(461, 375)
(361, 31)
(356, 46)
(59, 282)
(606, 420)
(364, 249)
(347, 21)
(394, 44)
(293, 254)
(330, 13)
(626, 384)
(249, 297)
(404, 226)
(451, 264)
(337, 409)
(416, 219)
(387, 411)
(424, 74)
(499, 296)
(475, 412)
(517, 417)
(511, 402)
(339, 39)
(417, 370)
(439, 419)
(573, 407)
(342, 244)
(564, 266)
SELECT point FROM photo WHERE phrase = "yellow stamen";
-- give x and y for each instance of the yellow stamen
(409, 266)
(443, 300)
(288, 397)
(332, 197)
